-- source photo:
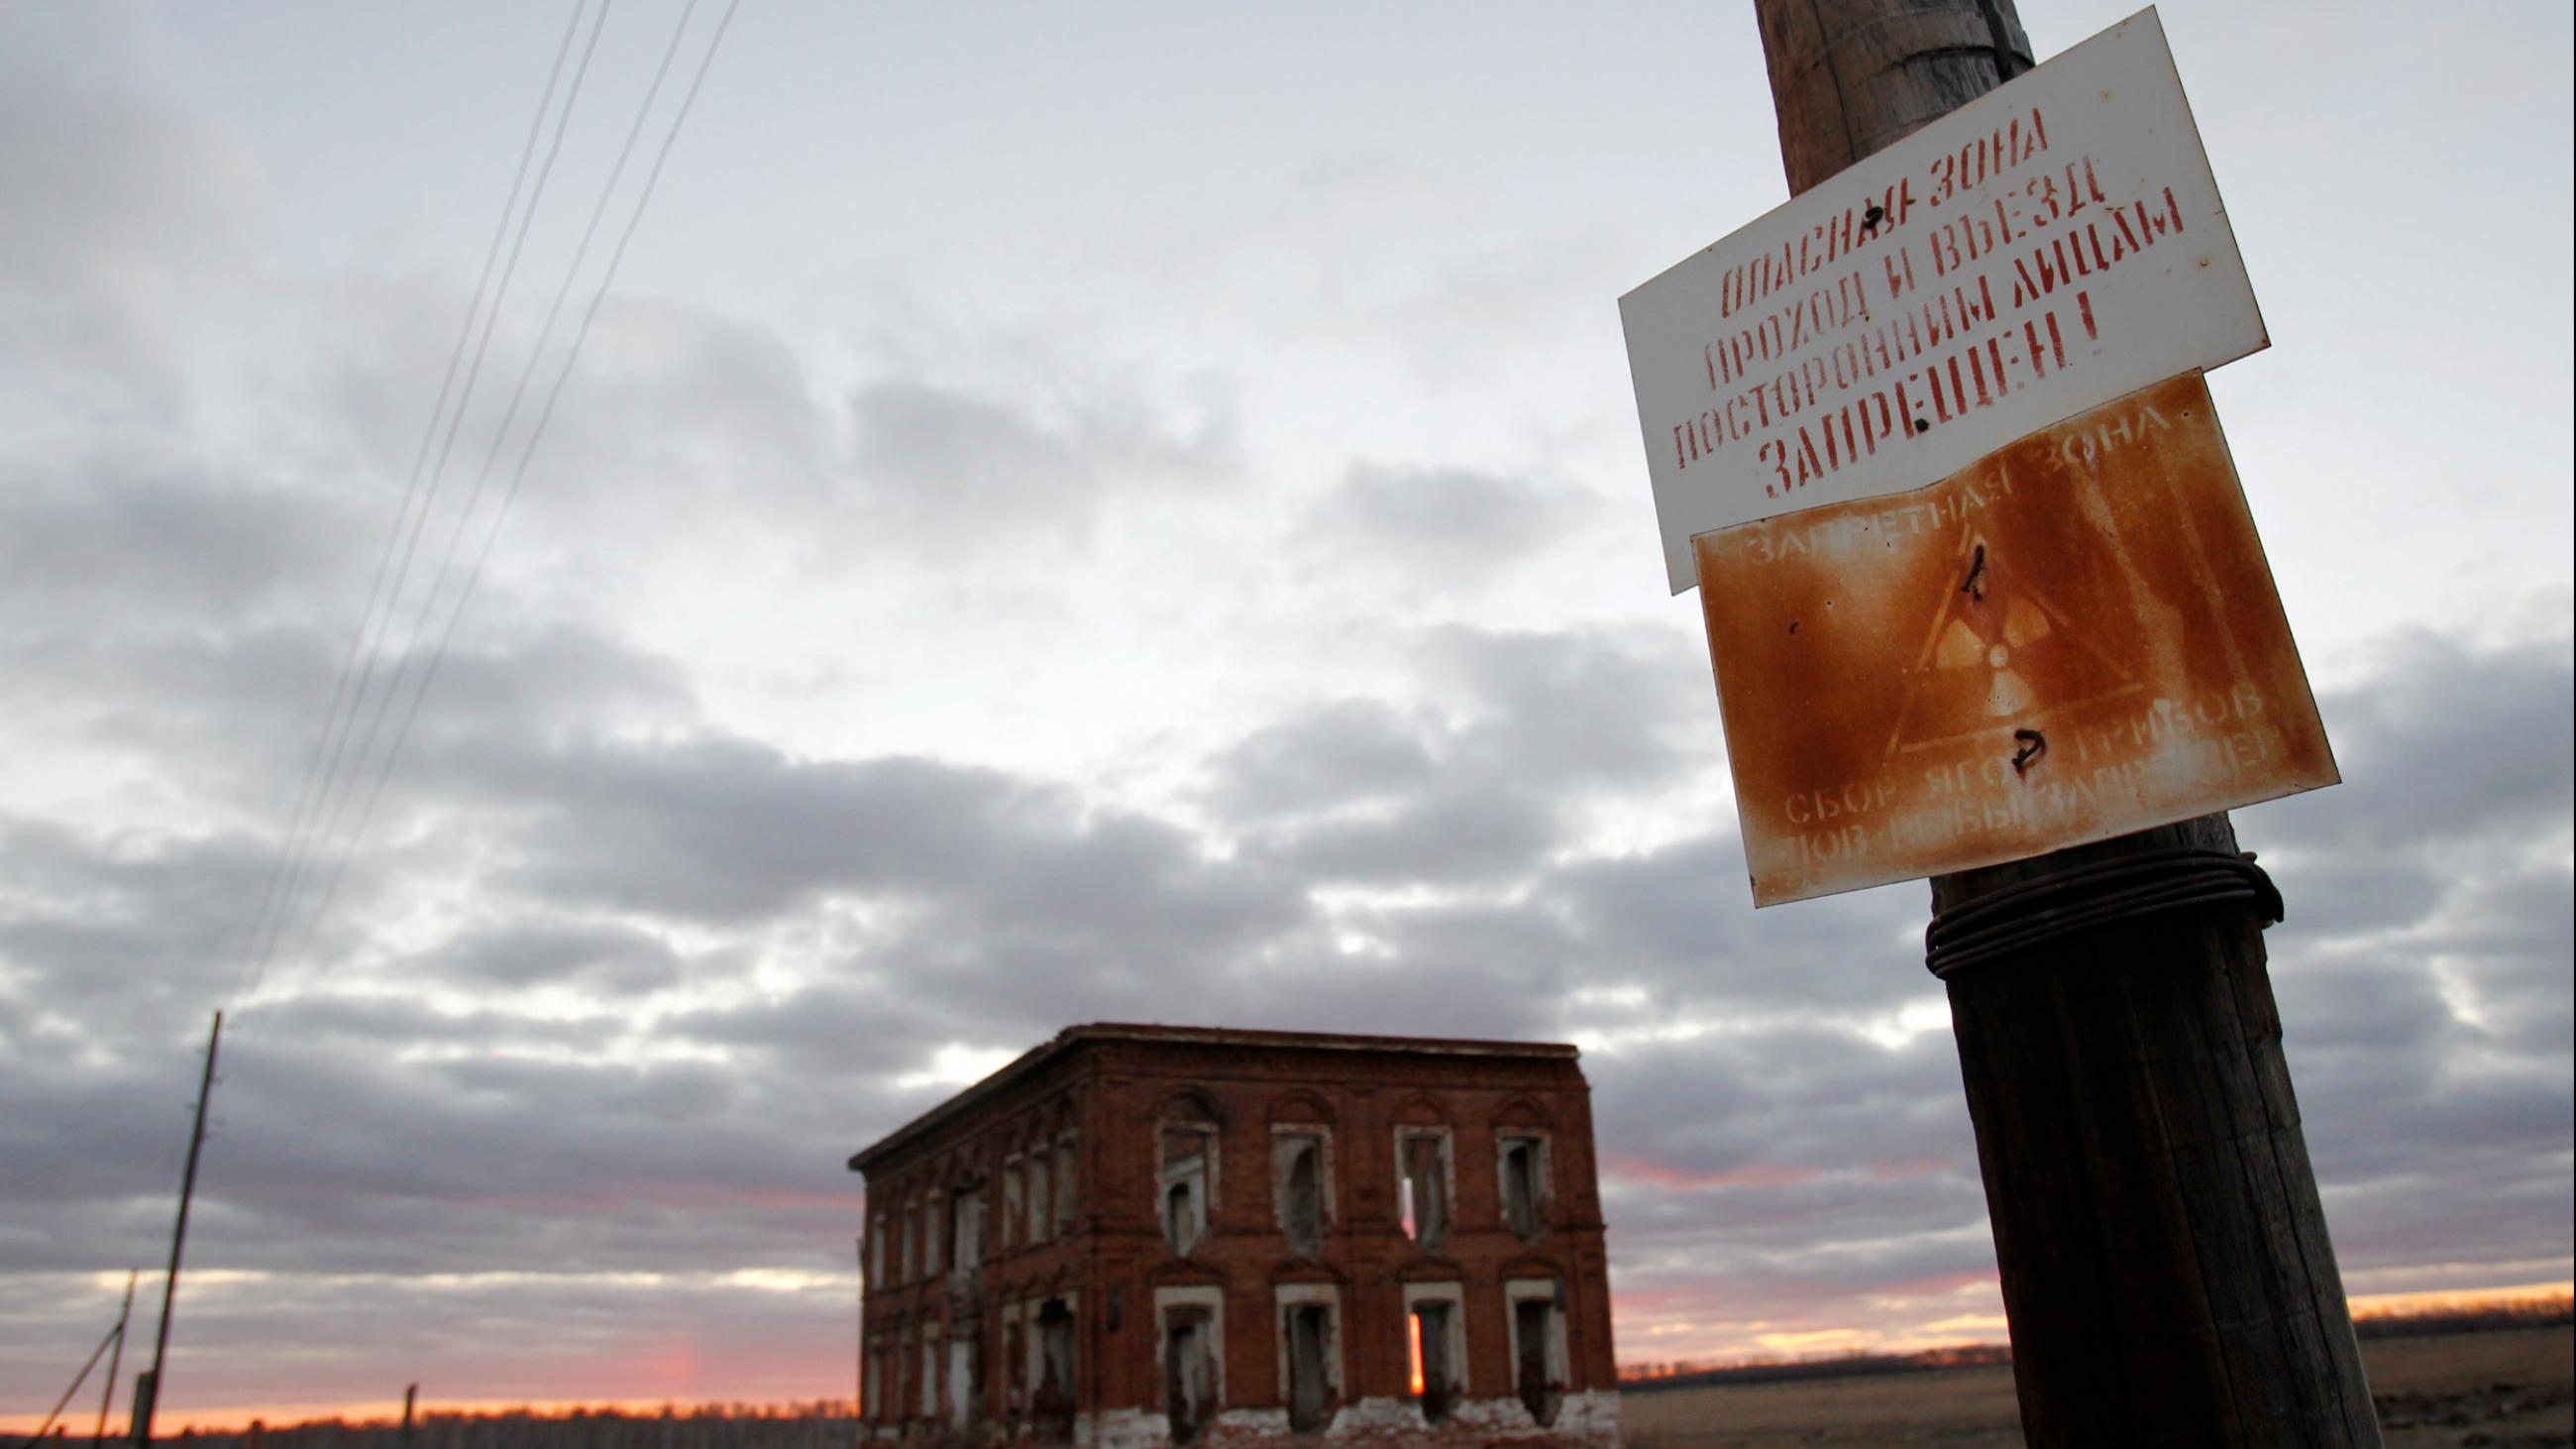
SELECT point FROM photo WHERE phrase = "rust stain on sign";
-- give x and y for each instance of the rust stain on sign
(2073, 638)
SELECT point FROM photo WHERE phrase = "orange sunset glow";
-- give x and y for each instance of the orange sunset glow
(2393, 1305)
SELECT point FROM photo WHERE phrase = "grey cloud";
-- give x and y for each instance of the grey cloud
(1352, 791)
(2515, 951)
(681, 424)
(1459, 833)
(1471, 969)
(1786, 1096)
(335, 1156)
(1585, 707)
(545, 681)
(113, 216)
(372, 1022)
(848, 1030)
(158, 547)
(123, 935)
(2424, 970)
(467, 1337)
(1676, 921)
(2357, 892)
(109, 192)
(2444, 741)
(955, 467)
(619, 960)
(1335, 754)
(1442, 521)
(729, 828)
(245, 708)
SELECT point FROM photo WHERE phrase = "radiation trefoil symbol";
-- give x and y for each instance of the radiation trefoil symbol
(1997, 656)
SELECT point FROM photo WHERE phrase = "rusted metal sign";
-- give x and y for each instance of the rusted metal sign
(2074, 638)
(2049, 246)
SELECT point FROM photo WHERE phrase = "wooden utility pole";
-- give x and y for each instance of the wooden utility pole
(2164, 1256)
(147, 1389)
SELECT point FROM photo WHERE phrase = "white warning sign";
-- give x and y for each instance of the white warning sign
(2055, 243)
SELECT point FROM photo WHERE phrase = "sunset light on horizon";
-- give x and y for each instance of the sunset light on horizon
(1639, 1349)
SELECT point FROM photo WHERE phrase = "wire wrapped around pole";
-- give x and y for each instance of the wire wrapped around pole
(2019, 917)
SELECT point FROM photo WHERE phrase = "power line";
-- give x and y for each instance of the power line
(554, 393)
(325, 791)
(327, 806)
(287, 871)
(305, 797)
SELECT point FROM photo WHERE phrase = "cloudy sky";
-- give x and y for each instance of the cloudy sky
(1125, 511)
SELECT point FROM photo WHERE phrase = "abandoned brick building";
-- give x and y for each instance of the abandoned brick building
(1139, 1234)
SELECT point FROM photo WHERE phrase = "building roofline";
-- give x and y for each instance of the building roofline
(1075, 1037)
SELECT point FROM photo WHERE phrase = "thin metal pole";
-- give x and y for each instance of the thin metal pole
(107, 1392)
(178, 1240)
(77, 1380)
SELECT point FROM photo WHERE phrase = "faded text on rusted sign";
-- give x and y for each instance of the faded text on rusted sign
(2075, 637)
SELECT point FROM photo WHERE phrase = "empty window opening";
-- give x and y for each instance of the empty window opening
(1435, 1377)
(1015, 1365)
(1425, 1189)
(966, 1228)
(872, 1392)
(1189, 1372)
(1012, 1200)
(965, 1379)
(1041, 1216)
(1185, 1187)
(1534, 1328)
(912, 1242)
(1310, 1389)
(929, 1402)
(1052, 1405)
(1064, 1185)
(1524, 1185)
(1301, 1194)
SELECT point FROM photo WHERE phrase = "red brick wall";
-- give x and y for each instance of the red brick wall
(1118, 1091)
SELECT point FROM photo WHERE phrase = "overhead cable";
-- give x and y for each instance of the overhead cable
(545, 416)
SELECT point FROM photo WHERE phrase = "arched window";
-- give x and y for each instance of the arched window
(1186, 1176)
(1014, 1201)
(1063, 1180)
(1521, 1157)
(1539, 1361)
(1425, 1175)
(1435, 1325)
(1298, 1164)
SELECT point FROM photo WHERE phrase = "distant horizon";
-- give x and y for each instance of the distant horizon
(366, 1412)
